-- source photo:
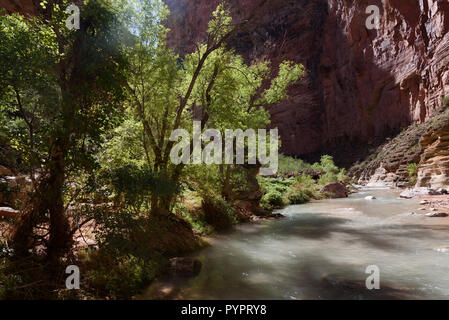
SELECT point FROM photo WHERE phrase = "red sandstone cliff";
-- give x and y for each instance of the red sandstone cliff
(361, 84)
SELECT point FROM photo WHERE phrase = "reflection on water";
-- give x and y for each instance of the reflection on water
(321, 251)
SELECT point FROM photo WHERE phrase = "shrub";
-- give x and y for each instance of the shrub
(119, 276)
(279, 192)
(295, 197)
(218, 213)
(272, 200)
(289, 164)
(195, 217)
(305, 181)
(412, 169)
(134, 185)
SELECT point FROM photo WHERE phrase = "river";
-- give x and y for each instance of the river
(321, 250)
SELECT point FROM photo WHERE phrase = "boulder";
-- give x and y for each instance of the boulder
(442, 191)
(6, 212)
(370, 198)
(185, 267)
(437, 215)
(336, 190)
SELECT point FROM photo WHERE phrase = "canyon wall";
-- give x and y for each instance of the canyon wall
(433, 168)
(22, 6)
(361, 85)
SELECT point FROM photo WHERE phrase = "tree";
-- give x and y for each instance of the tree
(213, 84)
(61, 89)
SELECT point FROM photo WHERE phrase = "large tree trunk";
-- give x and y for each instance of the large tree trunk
(23, 237)
(226, 187)
(48, 199)
(60, 240)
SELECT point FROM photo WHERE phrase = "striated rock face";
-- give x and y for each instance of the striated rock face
(361, 84)
(388, 164)
(433, 170)
(421, 144)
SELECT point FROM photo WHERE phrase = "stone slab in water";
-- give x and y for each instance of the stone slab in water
(437, 214)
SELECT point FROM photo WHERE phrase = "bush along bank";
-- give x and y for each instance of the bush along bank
(299, 182)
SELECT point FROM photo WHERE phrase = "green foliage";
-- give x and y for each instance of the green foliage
(117, 276)
(412, 170)
(163, 89)
(275, 191)
(28, 278)
(218, 213)
(279, 192)
(331, 172)
(297, 197)
(60, 91)
(123, 146)
(121, 232)
(221, 23)
(445, 101)
(135, 185)
(99, 105)
(305, 181)
(194, 216)
(39, 105)
(288, 73)
(289, 164)
(273, 199)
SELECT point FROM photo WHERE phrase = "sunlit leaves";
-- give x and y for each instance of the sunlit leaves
(288, 73)
(59, 84)
(221, 23)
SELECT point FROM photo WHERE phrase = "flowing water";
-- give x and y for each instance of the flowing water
(321, 251)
